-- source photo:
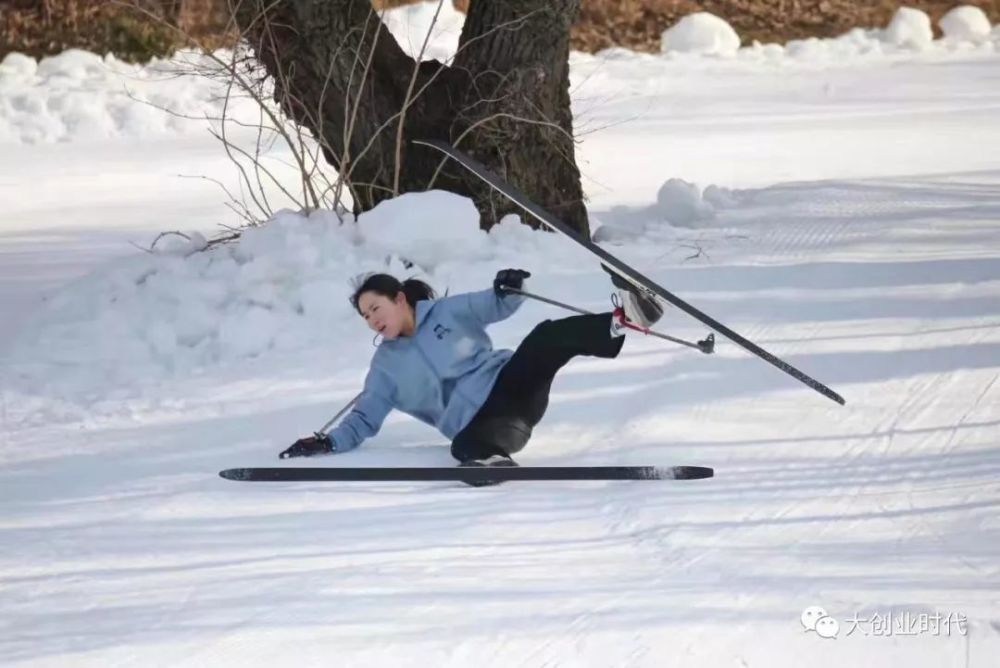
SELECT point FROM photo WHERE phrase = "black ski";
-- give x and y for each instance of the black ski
(620, 267)
(467, 473)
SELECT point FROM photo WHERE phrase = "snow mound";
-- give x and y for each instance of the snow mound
(965, 23)
(701, 33)
(18, 65)
(427, 229)
(182, 244)
(909, 28)
(281, 287)
(681, 203)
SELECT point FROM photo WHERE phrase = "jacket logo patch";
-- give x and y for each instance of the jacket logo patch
(441, 331)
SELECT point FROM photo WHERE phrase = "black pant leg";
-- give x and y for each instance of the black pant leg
(553, 343)
(520, 396)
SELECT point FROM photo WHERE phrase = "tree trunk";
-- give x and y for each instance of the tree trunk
(518, 105)
(505, 99)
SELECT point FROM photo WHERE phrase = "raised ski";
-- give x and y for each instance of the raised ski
(622, 269)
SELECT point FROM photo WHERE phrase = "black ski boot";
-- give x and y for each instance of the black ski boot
(492, 460)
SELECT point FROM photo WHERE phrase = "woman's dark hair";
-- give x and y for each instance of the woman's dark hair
(389, 286)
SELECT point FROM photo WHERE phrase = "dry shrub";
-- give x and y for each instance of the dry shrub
(45, 27)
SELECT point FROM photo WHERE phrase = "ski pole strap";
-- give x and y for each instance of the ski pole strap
(619, 311)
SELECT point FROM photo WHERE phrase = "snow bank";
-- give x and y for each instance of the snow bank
(909, 28)
(853, 45)
(77, 95)
(965, 23)
(701, 33)
(281, 287)
(908, 32)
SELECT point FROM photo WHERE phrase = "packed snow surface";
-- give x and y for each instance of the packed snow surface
(836, 201)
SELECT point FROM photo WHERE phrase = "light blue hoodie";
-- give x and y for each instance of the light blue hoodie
(441, 375)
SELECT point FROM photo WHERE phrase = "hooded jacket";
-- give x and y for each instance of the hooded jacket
(441, 375)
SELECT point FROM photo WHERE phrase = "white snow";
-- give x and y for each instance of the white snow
(410, 26)
(429, 229)
(281, 287)
(701, 33)
(966, 23)
(78, 96)
(910, 27)
(680, 203)
(836, 201)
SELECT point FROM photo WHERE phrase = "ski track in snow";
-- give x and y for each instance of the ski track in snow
(861, 245)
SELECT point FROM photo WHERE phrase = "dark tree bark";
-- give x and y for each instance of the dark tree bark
(525, 130)
(505, 99)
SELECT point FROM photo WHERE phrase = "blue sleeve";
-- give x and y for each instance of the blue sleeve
(368, 413)
(486, 306)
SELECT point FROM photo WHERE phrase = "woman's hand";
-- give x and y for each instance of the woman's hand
(317, 444)
(509, 278)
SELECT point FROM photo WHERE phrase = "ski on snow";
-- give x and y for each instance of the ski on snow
(467, 474)
(621, 268)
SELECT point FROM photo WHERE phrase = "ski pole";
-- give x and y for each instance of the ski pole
(706, 345)
(322, 430)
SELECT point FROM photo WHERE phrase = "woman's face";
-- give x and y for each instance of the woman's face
(388, 317)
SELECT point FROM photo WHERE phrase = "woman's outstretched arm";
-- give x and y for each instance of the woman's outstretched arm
(368, 413)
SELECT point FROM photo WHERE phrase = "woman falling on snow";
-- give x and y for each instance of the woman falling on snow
(436, 363)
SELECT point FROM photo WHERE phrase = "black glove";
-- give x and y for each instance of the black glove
(317, 444)
(509, 278)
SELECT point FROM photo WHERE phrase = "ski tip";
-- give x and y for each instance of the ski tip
(830, 394)
(233, 474)
(689, 472)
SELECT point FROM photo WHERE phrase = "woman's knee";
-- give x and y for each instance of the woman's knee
(490, 436)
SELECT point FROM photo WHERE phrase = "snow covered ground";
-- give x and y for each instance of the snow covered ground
(836, 201)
